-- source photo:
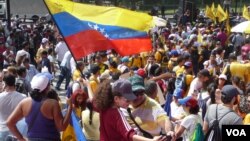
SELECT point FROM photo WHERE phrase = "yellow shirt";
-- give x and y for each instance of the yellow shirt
(93, 83)
(240, 70)
(136, 62)
(103, 67)
(149, 116)
(39, 54)
(144, 56)
(247, 119)
(76, 75)
(158, 56)
(179, 70)
(114, 70)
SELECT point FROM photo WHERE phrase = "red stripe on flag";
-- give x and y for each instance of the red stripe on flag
(132, 46)
(89, 41)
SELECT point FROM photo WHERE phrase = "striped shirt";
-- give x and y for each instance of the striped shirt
(149, 115)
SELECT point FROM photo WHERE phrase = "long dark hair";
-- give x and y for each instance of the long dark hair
(211, 90)
(90, 107)
(36, 95)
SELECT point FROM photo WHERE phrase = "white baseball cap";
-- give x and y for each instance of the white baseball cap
(223, 76)
(44, 40)
(39, 82)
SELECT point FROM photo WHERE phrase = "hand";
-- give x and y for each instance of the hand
(85, 82)
(159, 138)
(172, 134)
(149, 62)
(69, 102)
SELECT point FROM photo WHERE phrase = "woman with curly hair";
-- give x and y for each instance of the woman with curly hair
(113, 125)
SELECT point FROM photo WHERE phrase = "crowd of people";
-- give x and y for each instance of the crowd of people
(196, 73)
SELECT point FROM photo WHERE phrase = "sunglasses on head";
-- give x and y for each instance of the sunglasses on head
(138, 93)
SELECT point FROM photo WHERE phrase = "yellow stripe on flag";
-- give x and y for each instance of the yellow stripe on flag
(102, 15)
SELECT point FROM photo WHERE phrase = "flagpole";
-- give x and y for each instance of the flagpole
(61, 34)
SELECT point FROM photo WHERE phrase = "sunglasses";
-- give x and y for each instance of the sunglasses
(138, 93)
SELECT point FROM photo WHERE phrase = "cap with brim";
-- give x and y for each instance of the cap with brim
(178, 93)
(125, 59)
(39, 82)
(46, 74)
(22, 53)
(229, 91)
(44, 40)
(129, 96)
(188, 64)
(141, 72)
(188, 101)
(223, 76)
(137, 83)
(124, 87)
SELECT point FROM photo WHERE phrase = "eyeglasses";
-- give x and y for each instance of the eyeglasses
(138, 93)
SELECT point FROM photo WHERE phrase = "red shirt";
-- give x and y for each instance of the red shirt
(222, 37)
(114, 126)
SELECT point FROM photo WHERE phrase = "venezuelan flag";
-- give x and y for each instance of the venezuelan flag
(89, 28)
(73, 132)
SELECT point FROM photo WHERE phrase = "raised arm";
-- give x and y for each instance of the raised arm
(60, 121)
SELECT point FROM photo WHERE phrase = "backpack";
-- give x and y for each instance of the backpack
(180, 82)
(198, 134)
(20, 86)
(214, 132)
(203, 104)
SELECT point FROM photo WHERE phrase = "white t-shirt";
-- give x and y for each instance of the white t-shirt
(51, 58)
(176, 111)
(189, 123)
(195, 85)
(72, 65)
(8, 102)
(60, 50)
